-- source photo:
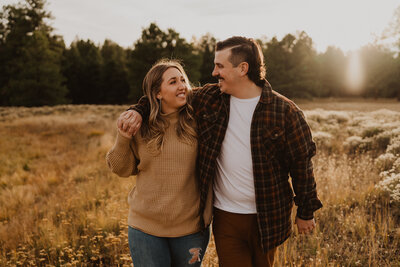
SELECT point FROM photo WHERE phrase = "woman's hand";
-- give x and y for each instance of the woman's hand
(125, 134)
(129, 123)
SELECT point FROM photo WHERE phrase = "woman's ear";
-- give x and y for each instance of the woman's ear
(159, 97)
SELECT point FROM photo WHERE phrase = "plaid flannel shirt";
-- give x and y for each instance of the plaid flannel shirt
(281, 143)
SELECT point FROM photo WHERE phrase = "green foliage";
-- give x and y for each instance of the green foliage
(82, 68)
(381, 71)
(206, 49)
(30, 57)
(37, 69)
(114, 85)
(36, 77)
(332, 72)
(395, 29)
(96, 75)
(153, 45)
(292, 66)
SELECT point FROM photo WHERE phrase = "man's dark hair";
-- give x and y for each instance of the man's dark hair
(246, 50)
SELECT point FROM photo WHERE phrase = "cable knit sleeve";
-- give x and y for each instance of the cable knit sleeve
(122, 159)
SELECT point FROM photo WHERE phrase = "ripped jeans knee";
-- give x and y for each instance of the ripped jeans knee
(185, 251)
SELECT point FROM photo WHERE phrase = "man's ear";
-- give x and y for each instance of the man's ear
(244, 68)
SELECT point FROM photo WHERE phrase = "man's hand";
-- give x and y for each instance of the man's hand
(129, 122)
(305, 226)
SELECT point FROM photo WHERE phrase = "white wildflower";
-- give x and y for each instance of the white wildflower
(394, 146)
(322, 139)
(391, 185)
(385, 161)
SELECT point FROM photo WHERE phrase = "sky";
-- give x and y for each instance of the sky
(347, 24)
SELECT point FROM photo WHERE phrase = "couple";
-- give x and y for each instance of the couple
(225, 150)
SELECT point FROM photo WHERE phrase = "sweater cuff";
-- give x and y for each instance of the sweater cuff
(122, 140)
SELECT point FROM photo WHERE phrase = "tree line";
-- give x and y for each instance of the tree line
(37, 68)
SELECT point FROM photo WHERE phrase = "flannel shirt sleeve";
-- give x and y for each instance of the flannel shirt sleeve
(196, 96)
(301, 149)
(142, 107)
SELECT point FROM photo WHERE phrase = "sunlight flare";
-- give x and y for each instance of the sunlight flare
(355, 73)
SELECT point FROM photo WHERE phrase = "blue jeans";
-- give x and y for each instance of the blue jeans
(152, 251)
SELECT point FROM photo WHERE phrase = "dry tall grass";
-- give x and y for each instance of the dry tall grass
(61, 206)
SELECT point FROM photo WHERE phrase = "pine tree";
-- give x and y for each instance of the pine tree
(82, 68)
(206, 47)
(154, 45)
(30, 57)
(114, 86)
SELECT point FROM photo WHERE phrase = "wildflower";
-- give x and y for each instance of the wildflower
(385, 161)
(391, 184)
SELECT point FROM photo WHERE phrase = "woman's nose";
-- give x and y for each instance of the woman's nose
(182, 85)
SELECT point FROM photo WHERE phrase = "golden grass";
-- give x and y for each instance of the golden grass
(346, 104)
(61, 206)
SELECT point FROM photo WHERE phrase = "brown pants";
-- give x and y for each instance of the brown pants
(238, 242)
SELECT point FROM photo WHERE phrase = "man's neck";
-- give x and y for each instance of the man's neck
(246, 90)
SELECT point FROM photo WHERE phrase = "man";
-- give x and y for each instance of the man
(250, 139)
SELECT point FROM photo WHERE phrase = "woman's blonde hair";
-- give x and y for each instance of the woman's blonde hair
(153, 130)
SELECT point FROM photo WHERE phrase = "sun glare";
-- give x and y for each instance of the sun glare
(355, 75)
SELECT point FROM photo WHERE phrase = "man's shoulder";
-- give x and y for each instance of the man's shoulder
(282, 101)
(207, 89)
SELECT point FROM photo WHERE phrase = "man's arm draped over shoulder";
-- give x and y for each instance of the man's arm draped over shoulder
(301, 149)
(142, 107)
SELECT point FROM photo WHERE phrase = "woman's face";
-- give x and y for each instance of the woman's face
(173, 91)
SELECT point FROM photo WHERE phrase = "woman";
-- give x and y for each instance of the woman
(164, 228)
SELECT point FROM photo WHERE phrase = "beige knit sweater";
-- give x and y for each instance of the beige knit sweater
(165, 201)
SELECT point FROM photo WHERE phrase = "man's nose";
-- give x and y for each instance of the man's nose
(214, 72)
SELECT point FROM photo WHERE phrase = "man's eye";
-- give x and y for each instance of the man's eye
(172, 82)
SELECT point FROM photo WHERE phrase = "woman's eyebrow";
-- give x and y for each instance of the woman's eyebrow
(175, 77)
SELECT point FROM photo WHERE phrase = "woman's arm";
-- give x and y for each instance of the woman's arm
(122, 159)
(130, 120)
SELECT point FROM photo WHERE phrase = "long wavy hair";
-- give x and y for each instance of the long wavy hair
(153, 130)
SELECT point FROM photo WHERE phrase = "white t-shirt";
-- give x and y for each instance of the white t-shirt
(234, 186)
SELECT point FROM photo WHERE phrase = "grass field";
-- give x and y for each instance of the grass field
(349, 104)
(61, 206)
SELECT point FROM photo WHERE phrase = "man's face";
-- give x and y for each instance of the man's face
(224, 71)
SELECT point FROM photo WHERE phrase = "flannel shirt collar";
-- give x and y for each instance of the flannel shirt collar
(266, 93)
